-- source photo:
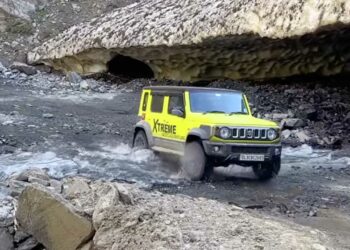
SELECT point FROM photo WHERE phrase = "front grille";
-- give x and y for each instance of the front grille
(249, 150)
(249, 133)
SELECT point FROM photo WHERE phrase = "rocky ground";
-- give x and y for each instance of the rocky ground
(70, 126)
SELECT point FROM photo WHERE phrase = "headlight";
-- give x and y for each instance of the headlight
(271, 134)
(225, 133)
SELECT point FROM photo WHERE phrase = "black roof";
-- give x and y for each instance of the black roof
(170, 89)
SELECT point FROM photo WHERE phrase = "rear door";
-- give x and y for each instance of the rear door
(155, 117)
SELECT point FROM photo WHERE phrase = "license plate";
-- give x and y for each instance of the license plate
(245, 157)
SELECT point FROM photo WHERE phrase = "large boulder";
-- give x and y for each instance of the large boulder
(52, 220)
(208, 39)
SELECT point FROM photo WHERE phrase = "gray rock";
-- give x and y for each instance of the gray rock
(20, 236)
(302, 136)
(28, 244)
(6, 149)
(84, 85)
(279, 117)
(66, 229)
(38, 181)
(6, 240)
(32, 173)
(16, 187)
(293, 123)
(25, 68)
(74, 77)
(48, 115)
(286, 134)
(56, 185)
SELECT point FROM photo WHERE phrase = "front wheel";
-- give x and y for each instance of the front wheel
(140, 140)
(266, 171)
(194, 161)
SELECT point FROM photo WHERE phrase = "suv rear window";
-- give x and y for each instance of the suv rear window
(157, 103)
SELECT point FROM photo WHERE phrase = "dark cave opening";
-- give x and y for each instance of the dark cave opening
(129, 67)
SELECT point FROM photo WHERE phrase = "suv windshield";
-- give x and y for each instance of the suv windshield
(217, 102)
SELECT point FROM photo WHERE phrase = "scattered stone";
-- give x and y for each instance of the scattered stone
(20, 236)
(16, 187)
(286, 134)
(56, 185)
(74, 77)
(124, 194)
(22, 67)
(38, 181)
(51, 219)
(279, 117)
(302, 136)
(6, 240)
(37, 173)
(292, 123)
(84, 85)
(48, 115)
(44, 68)
(28, 244)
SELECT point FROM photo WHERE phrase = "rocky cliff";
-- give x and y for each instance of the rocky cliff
(193, 40)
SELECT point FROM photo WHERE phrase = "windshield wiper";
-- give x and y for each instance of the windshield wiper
(214, 111)
(237, 113)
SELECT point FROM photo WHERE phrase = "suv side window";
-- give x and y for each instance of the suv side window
(157, 103)
(144, 104)
(177, 102)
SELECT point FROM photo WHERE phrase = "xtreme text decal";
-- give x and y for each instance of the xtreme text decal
(162, 127)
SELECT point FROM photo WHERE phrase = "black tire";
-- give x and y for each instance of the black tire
(267, 171)
(194, 161)
(140, 140)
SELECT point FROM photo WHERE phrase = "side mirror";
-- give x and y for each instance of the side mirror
(177, 112)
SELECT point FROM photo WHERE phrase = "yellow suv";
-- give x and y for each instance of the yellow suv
(207, 127)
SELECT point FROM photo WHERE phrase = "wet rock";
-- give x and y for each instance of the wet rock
(84, 85)
(74, 77)
(6, 240)
(52, 220)
(22, 67)
(37, 173)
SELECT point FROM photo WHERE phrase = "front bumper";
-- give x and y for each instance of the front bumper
(227, 153)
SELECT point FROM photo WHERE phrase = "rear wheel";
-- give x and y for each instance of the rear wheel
(266, 171)
(194, 161)
(140, 140)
